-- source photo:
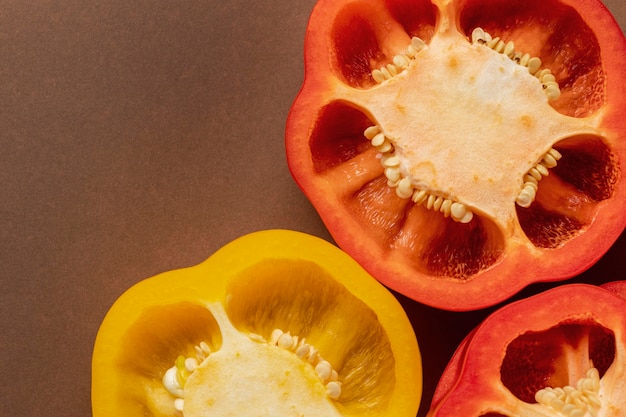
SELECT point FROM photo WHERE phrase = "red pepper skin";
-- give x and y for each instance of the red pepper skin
(472, 383)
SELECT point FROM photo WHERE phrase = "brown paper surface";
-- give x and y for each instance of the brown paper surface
(139, 137)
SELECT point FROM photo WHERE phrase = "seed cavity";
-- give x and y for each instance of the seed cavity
(403, 183)
(548, 80)
(581, 400)
(176, 377)
(531, 180)
(400, 62)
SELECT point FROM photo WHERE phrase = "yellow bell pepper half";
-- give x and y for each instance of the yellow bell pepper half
(276, 322)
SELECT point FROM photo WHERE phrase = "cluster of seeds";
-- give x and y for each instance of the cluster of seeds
(531, 179)
(578, 401)
(309, 353)
(400, 61)
(545, 76)
(404, 186)
(175, 378)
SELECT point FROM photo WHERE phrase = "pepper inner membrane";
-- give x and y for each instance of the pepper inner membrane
(151, 346)
(303, 299)
(566, 199)
(557, 357)
(361, 44)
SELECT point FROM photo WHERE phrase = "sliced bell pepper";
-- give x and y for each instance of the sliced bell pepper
(461, 150)
(276, 323)
(561, 353)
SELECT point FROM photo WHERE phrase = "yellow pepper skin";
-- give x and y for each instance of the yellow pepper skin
(259, 282)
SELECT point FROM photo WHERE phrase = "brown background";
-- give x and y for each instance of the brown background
(139, 137)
